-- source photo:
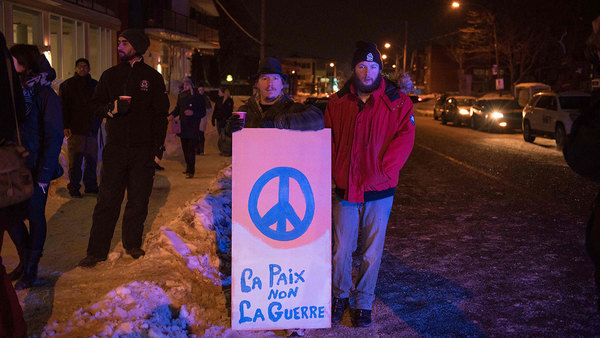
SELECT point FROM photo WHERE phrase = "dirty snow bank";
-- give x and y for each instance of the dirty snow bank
(190, 259)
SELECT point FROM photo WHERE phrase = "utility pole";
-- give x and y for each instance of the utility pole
(262, 28)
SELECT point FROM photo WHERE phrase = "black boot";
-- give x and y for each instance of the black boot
(18, 271)
(29, 278)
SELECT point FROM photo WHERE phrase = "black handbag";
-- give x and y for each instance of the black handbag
(16, 183)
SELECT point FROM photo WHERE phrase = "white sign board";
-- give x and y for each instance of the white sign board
(281, 229)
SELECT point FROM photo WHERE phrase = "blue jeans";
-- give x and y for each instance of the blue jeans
(371, 218)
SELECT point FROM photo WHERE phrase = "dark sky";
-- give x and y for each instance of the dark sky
(330, 29)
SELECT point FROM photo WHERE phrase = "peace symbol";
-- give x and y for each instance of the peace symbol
(283, 210)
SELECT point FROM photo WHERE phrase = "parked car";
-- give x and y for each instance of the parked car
(496, 113)
(457, 109)
(437, 106)
(551, 115)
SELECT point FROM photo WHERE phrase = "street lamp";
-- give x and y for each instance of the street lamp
(456, 4)
(333, 84)
(384, 56)
(387, 45)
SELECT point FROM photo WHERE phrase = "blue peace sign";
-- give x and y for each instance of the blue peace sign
(283, 210)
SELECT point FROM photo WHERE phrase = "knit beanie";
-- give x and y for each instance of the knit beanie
(366, 51)
(138, 40)
(189, 80)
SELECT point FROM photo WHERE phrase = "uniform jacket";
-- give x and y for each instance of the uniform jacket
(75, 94)
(369, 146)
(190, 125)
(145, 125)
(283, 114)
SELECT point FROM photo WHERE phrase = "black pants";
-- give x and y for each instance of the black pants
(122, 168)
(35, 237)
(200, 149)
(188, 145)
(80, 148)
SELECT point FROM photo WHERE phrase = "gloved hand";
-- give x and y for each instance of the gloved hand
(234, 123)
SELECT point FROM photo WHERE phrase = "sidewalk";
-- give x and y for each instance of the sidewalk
(66, 287)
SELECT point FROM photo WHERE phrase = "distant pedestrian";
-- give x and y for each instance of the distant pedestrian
(131, 96)
(203, 122)
(405, 83)
(42, 136)
(81, 128)
(190, 108)
(272, 108)
(373, 129)
(223, 109)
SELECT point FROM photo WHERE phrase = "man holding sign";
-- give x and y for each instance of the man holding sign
(373, 129)
(272, 108)
(281, 210)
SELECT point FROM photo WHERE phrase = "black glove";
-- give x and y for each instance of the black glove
(234, 123)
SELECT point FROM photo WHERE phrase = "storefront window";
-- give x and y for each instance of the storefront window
(55, 48)
(95, 55)
(68, 48)
(27, 26)
(80, 41)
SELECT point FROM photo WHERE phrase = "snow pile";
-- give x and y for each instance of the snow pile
(180, 287)
(135, 309)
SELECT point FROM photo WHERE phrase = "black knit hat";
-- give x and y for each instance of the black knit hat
(269, 65)
(138, 40)
(366, 51)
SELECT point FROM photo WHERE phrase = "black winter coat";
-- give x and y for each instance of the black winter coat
(145, 125)
(75, 94)
(283, 114)
(190, 125)
(223, 110)
(42, 134)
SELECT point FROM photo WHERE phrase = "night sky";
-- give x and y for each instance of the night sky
(330, 29)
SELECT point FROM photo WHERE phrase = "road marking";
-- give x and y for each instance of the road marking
(479, 171)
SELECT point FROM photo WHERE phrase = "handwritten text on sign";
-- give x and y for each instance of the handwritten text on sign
(281, 270)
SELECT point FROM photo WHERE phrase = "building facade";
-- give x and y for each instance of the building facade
(64, 31)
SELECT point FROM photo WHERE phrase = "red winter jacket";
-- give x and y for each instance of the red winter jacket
(371, 146)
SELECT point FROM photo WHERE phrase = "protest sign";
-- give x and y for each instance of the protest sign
(281, 229)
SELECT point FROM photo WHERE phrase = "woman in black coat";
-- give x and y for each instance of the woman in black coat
(42, 136)
(190, 108)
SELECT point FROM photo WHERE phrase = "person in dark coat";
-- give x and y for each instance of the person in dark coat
(582, 151)
(81, 128)
(132, 97)
(272, 108)
(208, 106)
(12, 323)
(42, 134)
(191, 109)
(223, 109)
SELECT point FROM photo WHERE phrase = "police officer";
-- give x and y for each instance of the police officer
(131, 96)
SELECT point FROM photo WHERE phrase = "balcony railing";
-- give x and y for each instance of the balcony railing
(175, 22)
(109, 7)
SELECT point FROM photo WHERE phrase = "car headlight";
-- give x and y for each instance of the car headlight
(497, 115)
(463, 111)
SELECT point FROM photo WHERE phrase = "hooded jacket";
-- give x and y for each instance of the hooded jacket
(42, 130)
(370, 144)
(145, 125)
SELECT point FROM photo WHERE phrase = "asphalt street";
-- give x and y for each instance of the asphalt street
(486, 238)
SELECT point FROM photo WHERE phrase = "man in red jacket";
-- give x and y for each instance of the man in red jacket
(373, 130)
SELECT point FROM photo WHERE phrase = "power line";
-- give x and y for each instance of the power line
(236, 23)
